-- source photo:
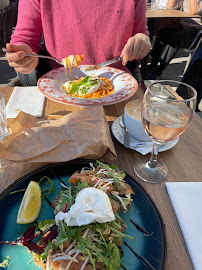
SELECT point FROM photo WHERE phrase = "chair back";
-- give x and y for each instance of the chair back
(8, 20)
(193, 69)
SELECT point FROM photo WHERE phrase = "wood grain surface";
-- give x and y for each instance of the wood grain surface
(168, 13)
(183, 162)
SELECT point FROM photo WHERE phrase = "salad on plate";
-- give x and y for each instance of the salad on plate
(86, 231)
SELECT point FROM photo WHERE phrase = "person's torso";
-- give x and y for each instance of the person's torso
(97, 29)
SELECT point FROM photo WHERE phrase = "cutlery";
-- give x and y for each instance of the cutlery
(126, 141)
(104, 64)
(36, 55)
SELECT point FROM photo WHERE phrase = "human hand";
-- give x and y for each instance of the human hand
(136, 48)
(18, 60)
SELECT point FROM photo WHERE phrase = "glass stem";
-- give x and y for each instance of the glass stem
(152, 163)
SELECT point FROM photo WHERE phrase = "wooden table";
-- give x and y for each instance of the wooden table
(183, 163)
(168, 13)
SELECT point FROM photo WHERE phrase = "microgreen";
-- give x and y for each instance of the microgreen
(44, 255)
(110, 171)
(17, 191)
(83, 248)
(69, 195)
(46, 191)
(121, 234)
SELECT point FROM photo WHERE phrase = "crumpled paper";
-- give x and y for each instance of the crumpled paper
(80, 134)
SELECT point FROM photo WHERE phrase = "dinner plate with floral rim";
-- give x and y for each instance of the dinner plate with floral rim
(124, 84)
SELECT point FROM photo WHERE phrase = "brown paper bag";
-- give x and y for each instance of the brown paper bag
(80, 134)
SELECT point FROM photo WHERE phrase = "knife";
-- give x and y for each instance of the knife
(104, 64)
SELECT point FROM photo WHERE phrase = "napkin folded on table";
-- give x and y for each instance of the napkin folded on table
(186, 198)
(80, 134)
(140, 146)
(27, 99)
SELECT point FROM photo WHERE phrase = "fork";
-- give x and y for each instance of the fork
(36, 55)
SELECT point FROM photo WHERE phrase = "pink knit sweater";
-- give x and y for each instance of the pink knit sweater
(99, 29)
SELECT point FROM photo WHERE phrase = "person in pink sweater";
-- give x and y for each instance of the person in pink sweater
(98, 29)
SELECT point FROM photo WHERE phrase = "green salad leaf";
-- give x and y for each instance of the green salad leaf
(115, 256)
(75, 86)
(45, 225)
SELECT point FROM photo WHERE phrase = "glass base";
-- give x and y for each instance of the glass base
(151, 175)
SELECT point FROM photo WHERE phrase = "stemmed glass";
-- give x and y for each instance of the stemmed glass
(154, 4)
(3, 121)
(167, 109)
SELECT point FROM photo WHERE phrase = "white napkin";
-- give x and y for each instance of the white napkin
(186, 199)
(140, 146)
(27, 99)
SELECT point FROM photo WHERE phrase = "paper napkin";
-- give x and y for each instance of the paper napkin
(27, 99)
(186, 199)
(140, 146)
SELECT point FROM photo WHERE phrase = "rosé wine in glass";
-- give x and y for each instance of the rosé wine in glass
(167, 110)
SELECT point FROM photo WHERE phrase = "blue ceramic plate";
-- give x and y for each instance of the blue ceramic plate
(150, 243)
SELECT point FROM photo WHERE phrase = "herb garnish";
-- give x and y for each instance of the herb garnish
(120, 175)
(74, 87)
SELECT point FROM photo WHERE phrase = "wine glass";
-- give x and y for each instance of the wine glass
(167, 109)
(3, 121)
(154, 4)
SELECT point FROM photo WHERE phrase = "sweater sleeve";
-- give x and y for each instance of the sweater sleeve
(29, 24)
(140, 21)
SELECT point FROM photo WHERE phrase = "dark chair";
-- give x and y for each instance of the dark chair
(8, 20)
(193, 72)
(135, 70)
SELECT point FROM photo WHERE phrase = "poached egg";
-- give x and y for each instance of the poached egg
(91, 205)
